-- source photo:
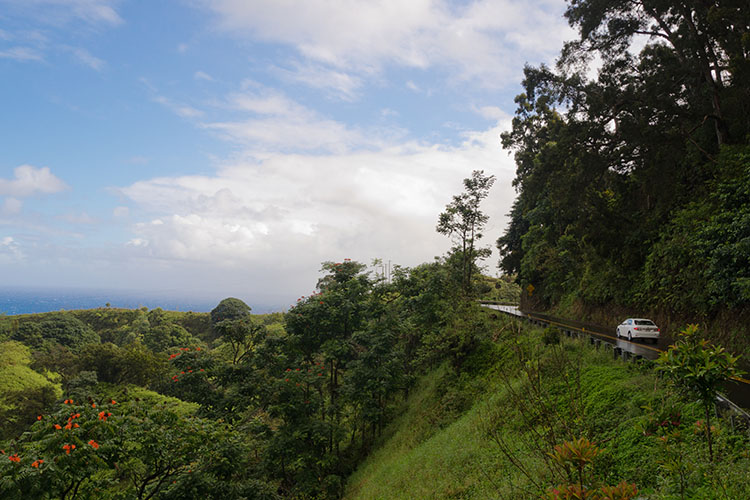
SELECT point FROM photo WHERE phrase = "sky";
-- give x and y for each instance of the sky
(219, 148)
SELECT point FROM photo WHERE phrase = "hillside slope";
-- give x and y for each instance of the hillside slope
(487, 434)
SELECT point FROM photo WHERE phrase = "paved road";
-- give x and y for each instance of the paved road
(737, 391)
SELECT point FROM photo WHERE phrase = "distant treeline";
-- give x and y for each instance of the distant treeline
(634, 187)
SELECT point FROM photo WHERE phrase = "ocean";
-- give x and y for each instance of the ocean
(37, 300)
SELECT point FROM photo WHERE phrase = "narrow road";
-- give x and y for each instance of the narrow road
(737, 390)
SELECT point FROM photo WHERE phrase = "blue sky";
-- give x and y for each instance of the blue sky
(227, 147)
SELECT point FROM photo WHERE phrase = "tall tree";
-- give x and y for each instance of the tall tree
(463, 221)
(611, 170)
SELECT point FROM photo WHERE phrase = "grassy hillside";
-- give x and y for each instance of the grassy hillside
(487, 434)
(23, 392)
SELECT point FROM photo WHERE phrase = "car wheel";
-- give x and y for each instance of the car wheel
(630, 336)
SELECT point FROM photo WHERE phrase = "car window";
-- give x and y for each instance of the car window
(644, 322)
(630, 321)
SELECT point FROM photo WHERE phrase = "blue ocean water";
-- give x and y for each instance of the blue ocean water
(37, 300)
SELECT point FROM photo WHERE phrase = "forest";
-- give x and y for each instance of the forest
(634, 185)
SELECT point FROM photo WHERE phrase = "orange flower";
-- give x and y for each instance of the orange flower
(57, 426)
(39, 417)
(69, 426)
(94, 444)
(14, 458)
(113, 402)
(35, 464)
(93, 405)
(76, 426)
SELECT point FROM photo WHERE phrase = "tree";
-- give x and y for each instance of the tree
(618, 175)
(229, 309)
(464, 221)
(231, 320)
(707, 39)
(63, 328)
(128, 449)
(700, 368)
(241, 334)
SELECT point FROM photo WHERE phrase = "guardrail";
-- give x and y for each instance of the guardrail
(618, 352)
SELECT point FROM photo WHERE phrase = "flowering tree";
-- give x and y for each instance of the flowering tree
(105, 449)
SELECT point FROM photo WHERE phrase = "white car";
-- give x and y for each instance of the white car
(638, 328)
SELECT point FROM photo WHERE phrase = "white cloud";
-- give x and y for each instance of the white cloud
(12, 206)
(264, 101)
(21, 54)
(179, 109)
(81, 218)
(87, 59)
(484, 40)
(283, 133)
(10, 250)
(201, 75)
(94, 12)
(491, 112)
(121, 211)
(31, 180)
(278, 123)
(338, 84)
(281, 216)
(52, 22)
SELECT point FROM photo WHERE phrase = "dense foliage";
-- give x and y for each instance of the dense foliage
(154, 404)
(633, 186)
(539, 416)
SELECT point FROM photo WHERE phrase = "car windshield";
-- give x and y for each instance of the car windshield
(644, 322)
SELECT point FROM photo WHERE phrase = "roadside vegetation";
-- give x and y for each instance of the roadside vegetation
(547, 417)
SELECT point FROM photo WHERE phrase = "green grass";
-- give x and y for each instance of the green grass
(435, 450)
(20, 389)
(15, 374)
